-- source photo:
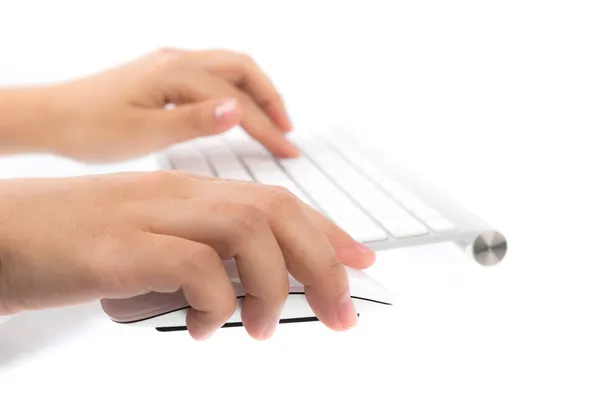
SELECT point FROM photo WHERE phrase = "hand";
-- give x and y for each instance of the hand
(120, 113)
(72, 240)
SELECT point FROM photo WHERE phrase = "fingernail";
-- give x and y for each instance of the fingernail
(292, 150)
(225, 107)
(364, 249)
(347, 312)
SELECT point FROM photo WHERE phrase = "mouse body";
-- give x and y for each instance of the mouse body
(168, 311)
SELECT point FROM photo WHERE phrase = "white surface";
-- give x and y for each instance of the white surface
(496, 101)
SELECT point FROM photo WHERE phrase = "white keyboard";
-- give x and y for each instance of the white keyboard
(372, 204)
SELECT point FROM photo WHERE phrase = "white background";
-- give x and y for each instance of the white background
(496, 101)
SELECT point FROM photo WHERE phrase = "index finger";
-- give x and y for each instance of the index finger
(244, 72)
(257, 84)
(311, 259)
(308, 254)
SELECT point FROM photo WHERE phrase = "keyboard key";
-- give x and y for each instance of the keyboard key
(330, 199)
(276, 177)
(263, 166)
(420, 208)
(364, 165)
(363, 191)
(235, 174)
(405, 227)
(440, 224)
(359, 230)
(189, 158)
(224, 161)
(335, 179)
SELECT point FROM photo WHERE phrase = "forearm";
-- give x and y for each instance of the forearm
(27, 120)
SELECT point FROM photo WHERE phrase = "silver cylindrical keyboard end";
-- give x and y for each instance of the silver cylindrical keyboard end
(487, 248)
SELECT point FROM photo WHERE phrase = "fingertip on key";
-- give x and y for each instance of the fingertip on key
(365, 251)
(291, 151)
(356, 256)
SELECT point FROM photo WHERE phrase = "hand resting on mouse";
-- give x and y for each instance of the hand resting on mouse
(80, 239)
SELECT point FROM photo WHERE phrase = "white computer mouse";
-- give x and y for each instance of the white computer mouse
(167, 311)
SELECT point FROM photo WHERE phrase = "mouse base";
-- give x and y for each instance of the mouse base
(240, 324)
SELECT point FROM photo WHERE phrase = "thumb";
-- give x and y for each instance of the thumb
(198, 119)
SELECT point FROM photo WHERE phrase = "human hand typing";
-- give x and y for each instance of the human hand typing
(120, 113)
(72, 240)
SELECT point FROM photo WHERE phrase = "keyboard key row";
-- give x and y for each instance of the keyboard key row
(423, 211)
(224, 161)
(331, 200)
(189, 158)
(395, 219)
(359, 197)
(296, 175)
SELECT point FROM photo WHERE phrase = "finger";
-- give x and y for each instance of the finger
(308, 255)
(199, 85)
(350, 252)
(311, 259)
(244, 72)
(238, 231)
(208, 290)
(173, 262)
(186, 122)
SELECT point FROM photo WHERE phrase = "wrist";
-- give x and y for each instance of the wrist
(30, 120)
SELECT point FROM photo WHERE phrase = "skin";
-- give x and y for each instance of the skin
(73, 240)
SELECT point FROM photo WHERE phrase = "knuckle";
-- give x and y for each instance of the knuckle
(245, 58)
(249, 219)
(243, 97)
(217, 54)
(197, 120)
(198, 258)
(281, 199)
(166, 50)
(169, 59)
(241, 63)
(333, 267)
(244, 218)
(163, 177)
(280, 189)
